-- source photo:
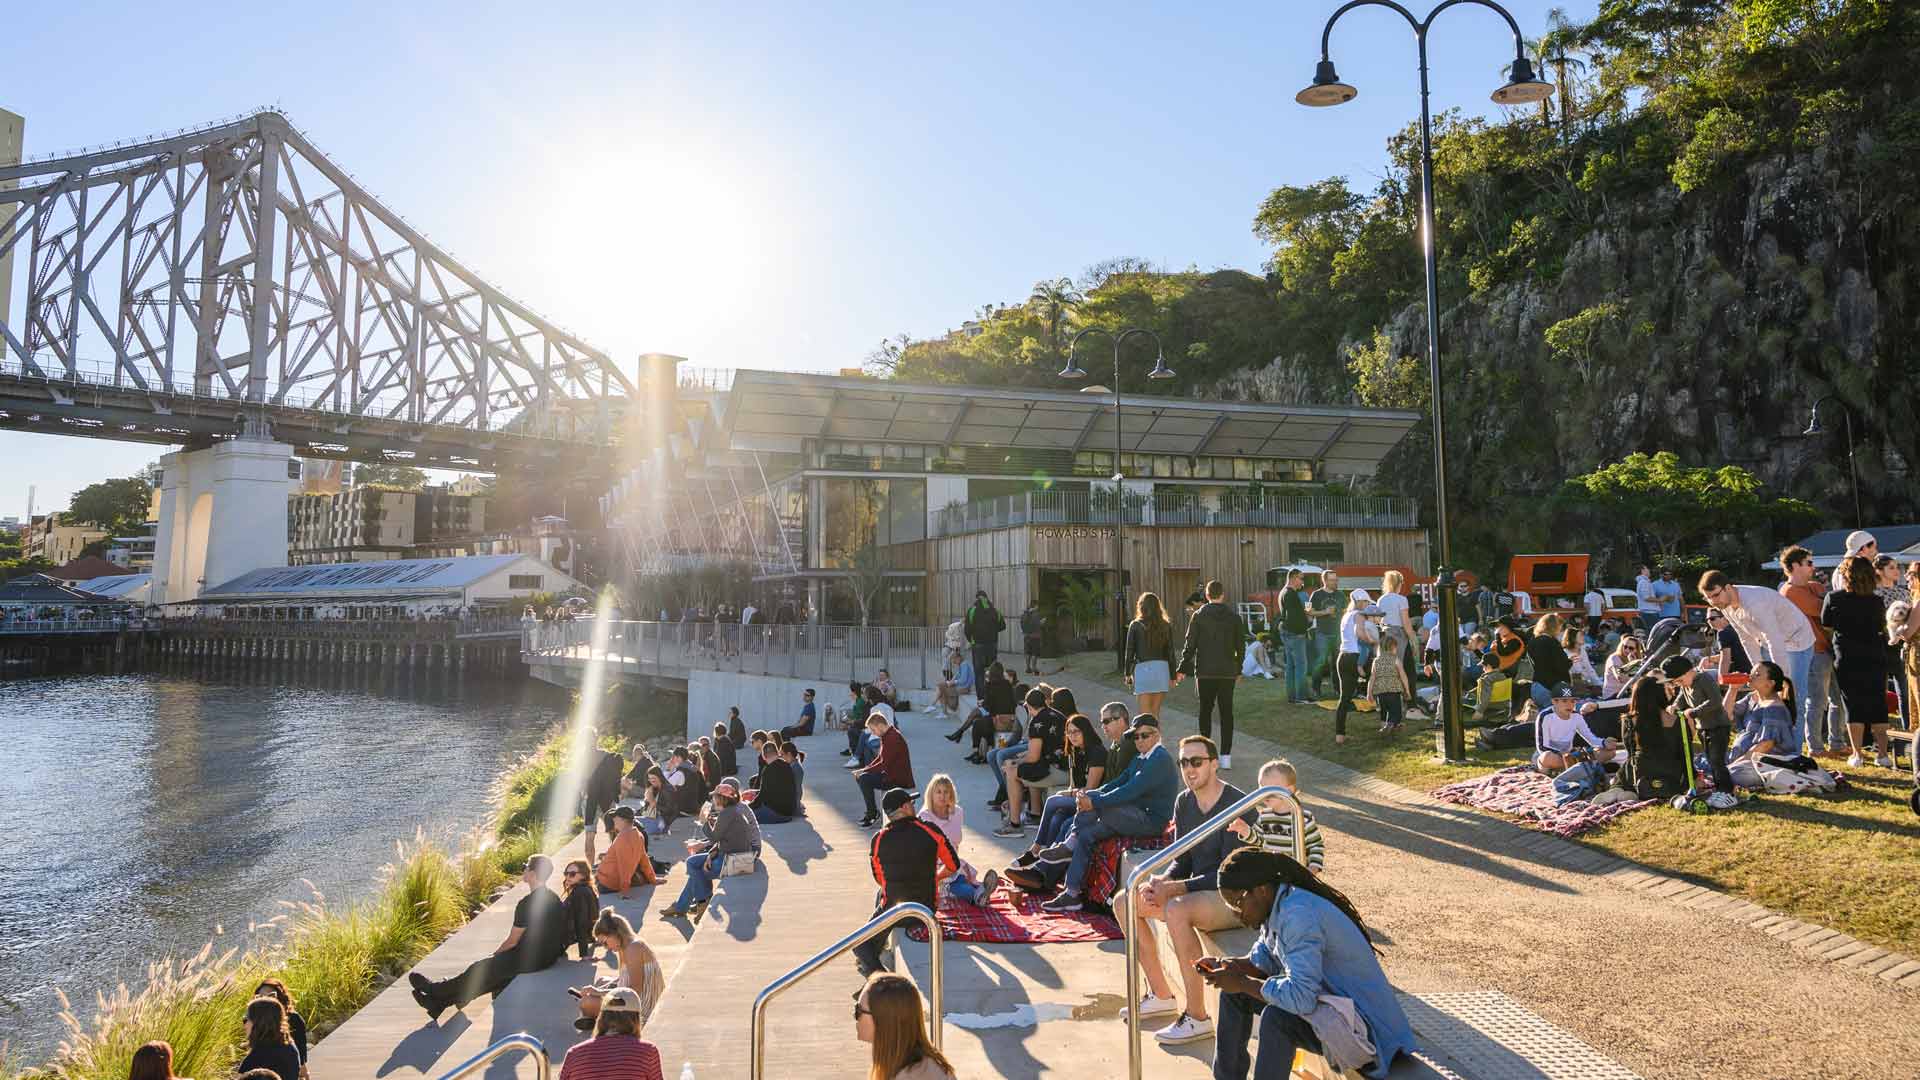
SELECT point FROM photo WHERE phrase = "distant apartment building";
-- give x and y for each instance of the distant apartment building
(10, 525)
(369, 524)
(58, 544)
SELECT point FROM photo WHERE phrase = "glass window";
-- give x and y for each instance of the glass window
(1183, 467)
(1243, 468)
(1163, 464)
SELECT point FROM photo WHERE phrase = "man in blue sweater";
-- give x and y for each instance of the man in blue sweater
(1138, 802)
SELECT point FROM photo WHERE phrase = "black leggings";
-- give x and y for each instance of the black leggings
(1217, 689)
(1716, 739)
(1347, 670)
(982, 726)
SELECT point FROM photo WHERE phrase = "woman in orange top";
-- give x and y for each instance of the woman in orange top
(626, 863)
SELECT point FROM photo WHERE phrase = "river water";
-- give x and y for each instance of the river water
(142, 814)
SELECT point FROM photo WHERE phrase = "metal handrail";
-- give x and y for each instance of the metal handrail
(542, 1068)
(879, 924)
(1171, 852)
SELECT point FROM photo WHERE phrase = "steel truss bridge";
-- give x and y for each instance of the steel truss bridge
(182, 287)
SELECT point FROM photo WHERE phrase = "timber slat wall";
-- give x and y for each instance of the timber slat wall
(1160, 558)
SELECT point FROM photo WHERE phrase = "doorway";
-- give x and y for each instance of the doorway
(1181, 583)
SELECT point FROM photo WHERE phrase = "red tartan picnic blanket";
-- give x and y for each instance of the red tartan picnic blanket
(1103, 876)
(1012, 917)
(1527, 794)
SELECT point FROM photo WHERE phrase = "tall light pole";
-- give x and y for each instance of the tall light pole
(1160, 371)
(1814, 428)
(1522, 88)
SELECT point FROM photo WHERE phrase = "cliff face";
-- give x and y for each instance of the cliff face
(1705, 326)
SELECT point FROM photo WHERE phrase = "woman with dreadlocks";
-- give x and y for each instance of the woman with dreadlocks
(1312, 981)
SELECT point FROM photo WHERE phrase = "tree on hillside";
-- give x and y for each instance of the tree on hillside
(401, 477)
(118, 506)
(1054, 299)
(1679, 508)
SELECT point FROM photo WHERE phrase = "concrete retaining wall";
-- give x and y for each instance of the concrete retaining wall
(766, 701)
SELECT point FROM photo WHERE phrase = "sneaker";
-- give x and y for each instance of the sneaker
(1226, 762)
(1025, 880)
(1058, 853)
(1854, 760)
(868, 821)
(1721, 800)
(989, 882)
(850, 763)
(1152, 1006)
(1065, 902)
(997, 806)
(846, 753)
(1883, 760)
(1025, 859)
(1184, 1030)
(1010, 828)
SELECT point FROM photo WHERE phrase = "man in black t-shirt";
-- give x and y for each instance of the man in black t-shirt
(538, 938)
(1046, 750)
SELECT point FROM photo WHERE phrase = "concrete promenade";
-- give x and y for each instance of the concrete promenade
(1513, 963)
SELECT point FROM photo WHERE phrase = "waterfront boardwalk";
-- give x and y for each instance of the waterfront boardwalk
(1512, 965)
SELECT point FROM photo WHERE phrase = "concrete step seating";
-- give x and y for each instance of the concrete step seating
(1048, 1011)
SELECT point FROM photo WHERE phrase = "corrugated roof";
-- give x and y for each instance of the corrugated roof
(41, 589)
(413, 576)
(115, 587)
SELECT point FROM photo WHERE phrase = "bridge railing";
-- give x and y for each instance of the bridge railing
(914, 656)
(415, 629)
(69, 626)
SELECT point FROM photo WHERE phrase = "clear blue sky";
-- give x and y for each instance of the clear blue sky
(768, 185)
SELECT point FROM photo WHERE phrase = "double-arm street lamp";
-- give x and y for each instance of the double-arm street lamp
(1522, 88)
(1073, 370)
(1814, 428)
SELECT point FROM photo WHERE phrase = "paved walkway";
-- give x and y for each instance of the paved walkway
(1472, 902)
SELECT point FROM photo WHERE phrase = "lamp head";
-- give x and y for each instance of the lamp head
(1813, 424)
(1160, 368)
(1326, 89)
(1523, 86)
(1073, 370)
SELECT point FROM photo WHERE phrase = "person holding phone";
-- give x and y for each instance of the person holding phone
(1312, 945)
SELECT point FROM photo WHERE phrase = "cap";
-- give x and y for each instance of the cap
(1858, 539)
(1675, 666)
(1362, 596)
(895, 798)
(1563, 691)
(979, 594)
(623, 812)
(620, 999)
(729, 787)
(1145, 719)
(1196, 597)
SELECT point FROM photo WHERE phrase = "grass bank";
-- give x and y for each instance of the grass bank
(1850, 860)
(334, 959)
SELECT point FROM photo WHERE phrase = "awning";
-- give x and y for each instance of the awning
(776, 411)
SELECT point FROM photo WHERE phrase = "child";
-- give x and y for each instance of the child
(1387, 688)
(940, 807)
(1273, 829)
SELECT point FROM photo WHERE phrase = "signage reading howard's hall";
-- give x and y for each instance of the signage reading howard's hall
(1072, 532)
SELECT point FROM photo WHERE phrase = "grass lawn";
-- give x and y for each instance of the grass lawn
(1850, 860)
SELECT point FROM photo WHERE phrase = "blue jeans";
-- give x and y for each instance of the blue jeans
(1813, 697)
(1092, 826)
(1797, 664)
(769, 816)
(701, 872)
(996, 758)
(963, 890)
(1281, 1033)
(652, 826)
(1294, 646)
(1542, 696)
(1056, 817)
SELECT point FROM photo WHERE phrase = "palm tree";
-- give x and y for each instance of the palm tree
(1555, 49)
(1055, 298)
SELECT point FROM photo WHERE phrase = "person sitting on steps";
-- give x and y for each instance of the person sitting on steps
(583, 904)
(730, 829)
(907, 857)
(538, 938)
(891, 768)
(626, 863)
(616, 1048)
(804, 726)
(887, 1014)
(639, 970)
(778, 801)
(1138, 802)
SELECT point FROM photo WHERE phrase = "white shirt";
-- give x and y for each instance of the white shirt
(1769, 625)
(1596, 603)
(1643, 588)
(1351, 633)
(1556, 733)
(1394, 606)
(881, 708)
(746, 614)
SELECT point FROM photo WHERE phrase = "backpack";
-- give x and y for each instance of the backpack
(1581, 780)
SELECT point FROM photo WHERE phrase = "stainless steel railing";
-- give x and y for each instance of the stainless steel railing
(879, 924)
(542, 1068)
(1166, 855)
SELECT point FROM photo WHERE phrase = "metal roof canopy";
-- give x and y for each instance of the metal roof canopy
(765, 409)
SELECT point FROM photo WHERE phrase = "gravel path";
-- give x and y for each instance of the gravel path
(1664, 989)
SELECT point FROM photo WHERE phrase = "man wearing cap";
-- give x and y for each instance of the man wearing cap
(616, 1051)
(626, 863)
(983, 625)
(1138, 802)
(907, 857)
(1770, 627)
(1696, 699)
(1554, 732)
(730, 829)
(1861, 542)
(539, 937)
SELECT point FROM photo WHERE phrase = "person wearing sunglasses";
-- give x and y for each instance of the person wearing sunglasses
(583, 904)
(1184, 897)
(887, 1015)
(1138, 802)
(1312, 946)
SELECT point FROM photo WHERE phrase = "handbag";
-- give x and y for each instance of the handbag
(739, 863)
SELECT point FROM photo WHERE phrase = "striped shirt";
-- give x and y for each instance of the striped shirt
(1274, 832)
(612, 1057)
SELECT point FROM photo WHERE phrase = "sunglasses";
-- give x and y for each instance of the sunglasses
(571, 873)
(859, 1011)
(1193, 762)
(1138, 735)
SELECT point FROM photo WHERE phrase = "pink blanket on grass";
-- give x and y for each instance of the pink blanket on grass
(1528, 795)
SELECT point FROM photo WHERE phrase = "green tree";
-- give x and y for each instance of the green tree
(118, 506)
(1678, 507)
(399, 477)
(1054, 299)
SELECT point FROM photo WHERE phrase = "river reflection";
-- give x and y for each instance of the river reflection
(141, 813)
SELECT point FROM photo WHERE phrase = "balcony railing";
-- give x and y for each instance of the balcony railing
(1178, 508)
